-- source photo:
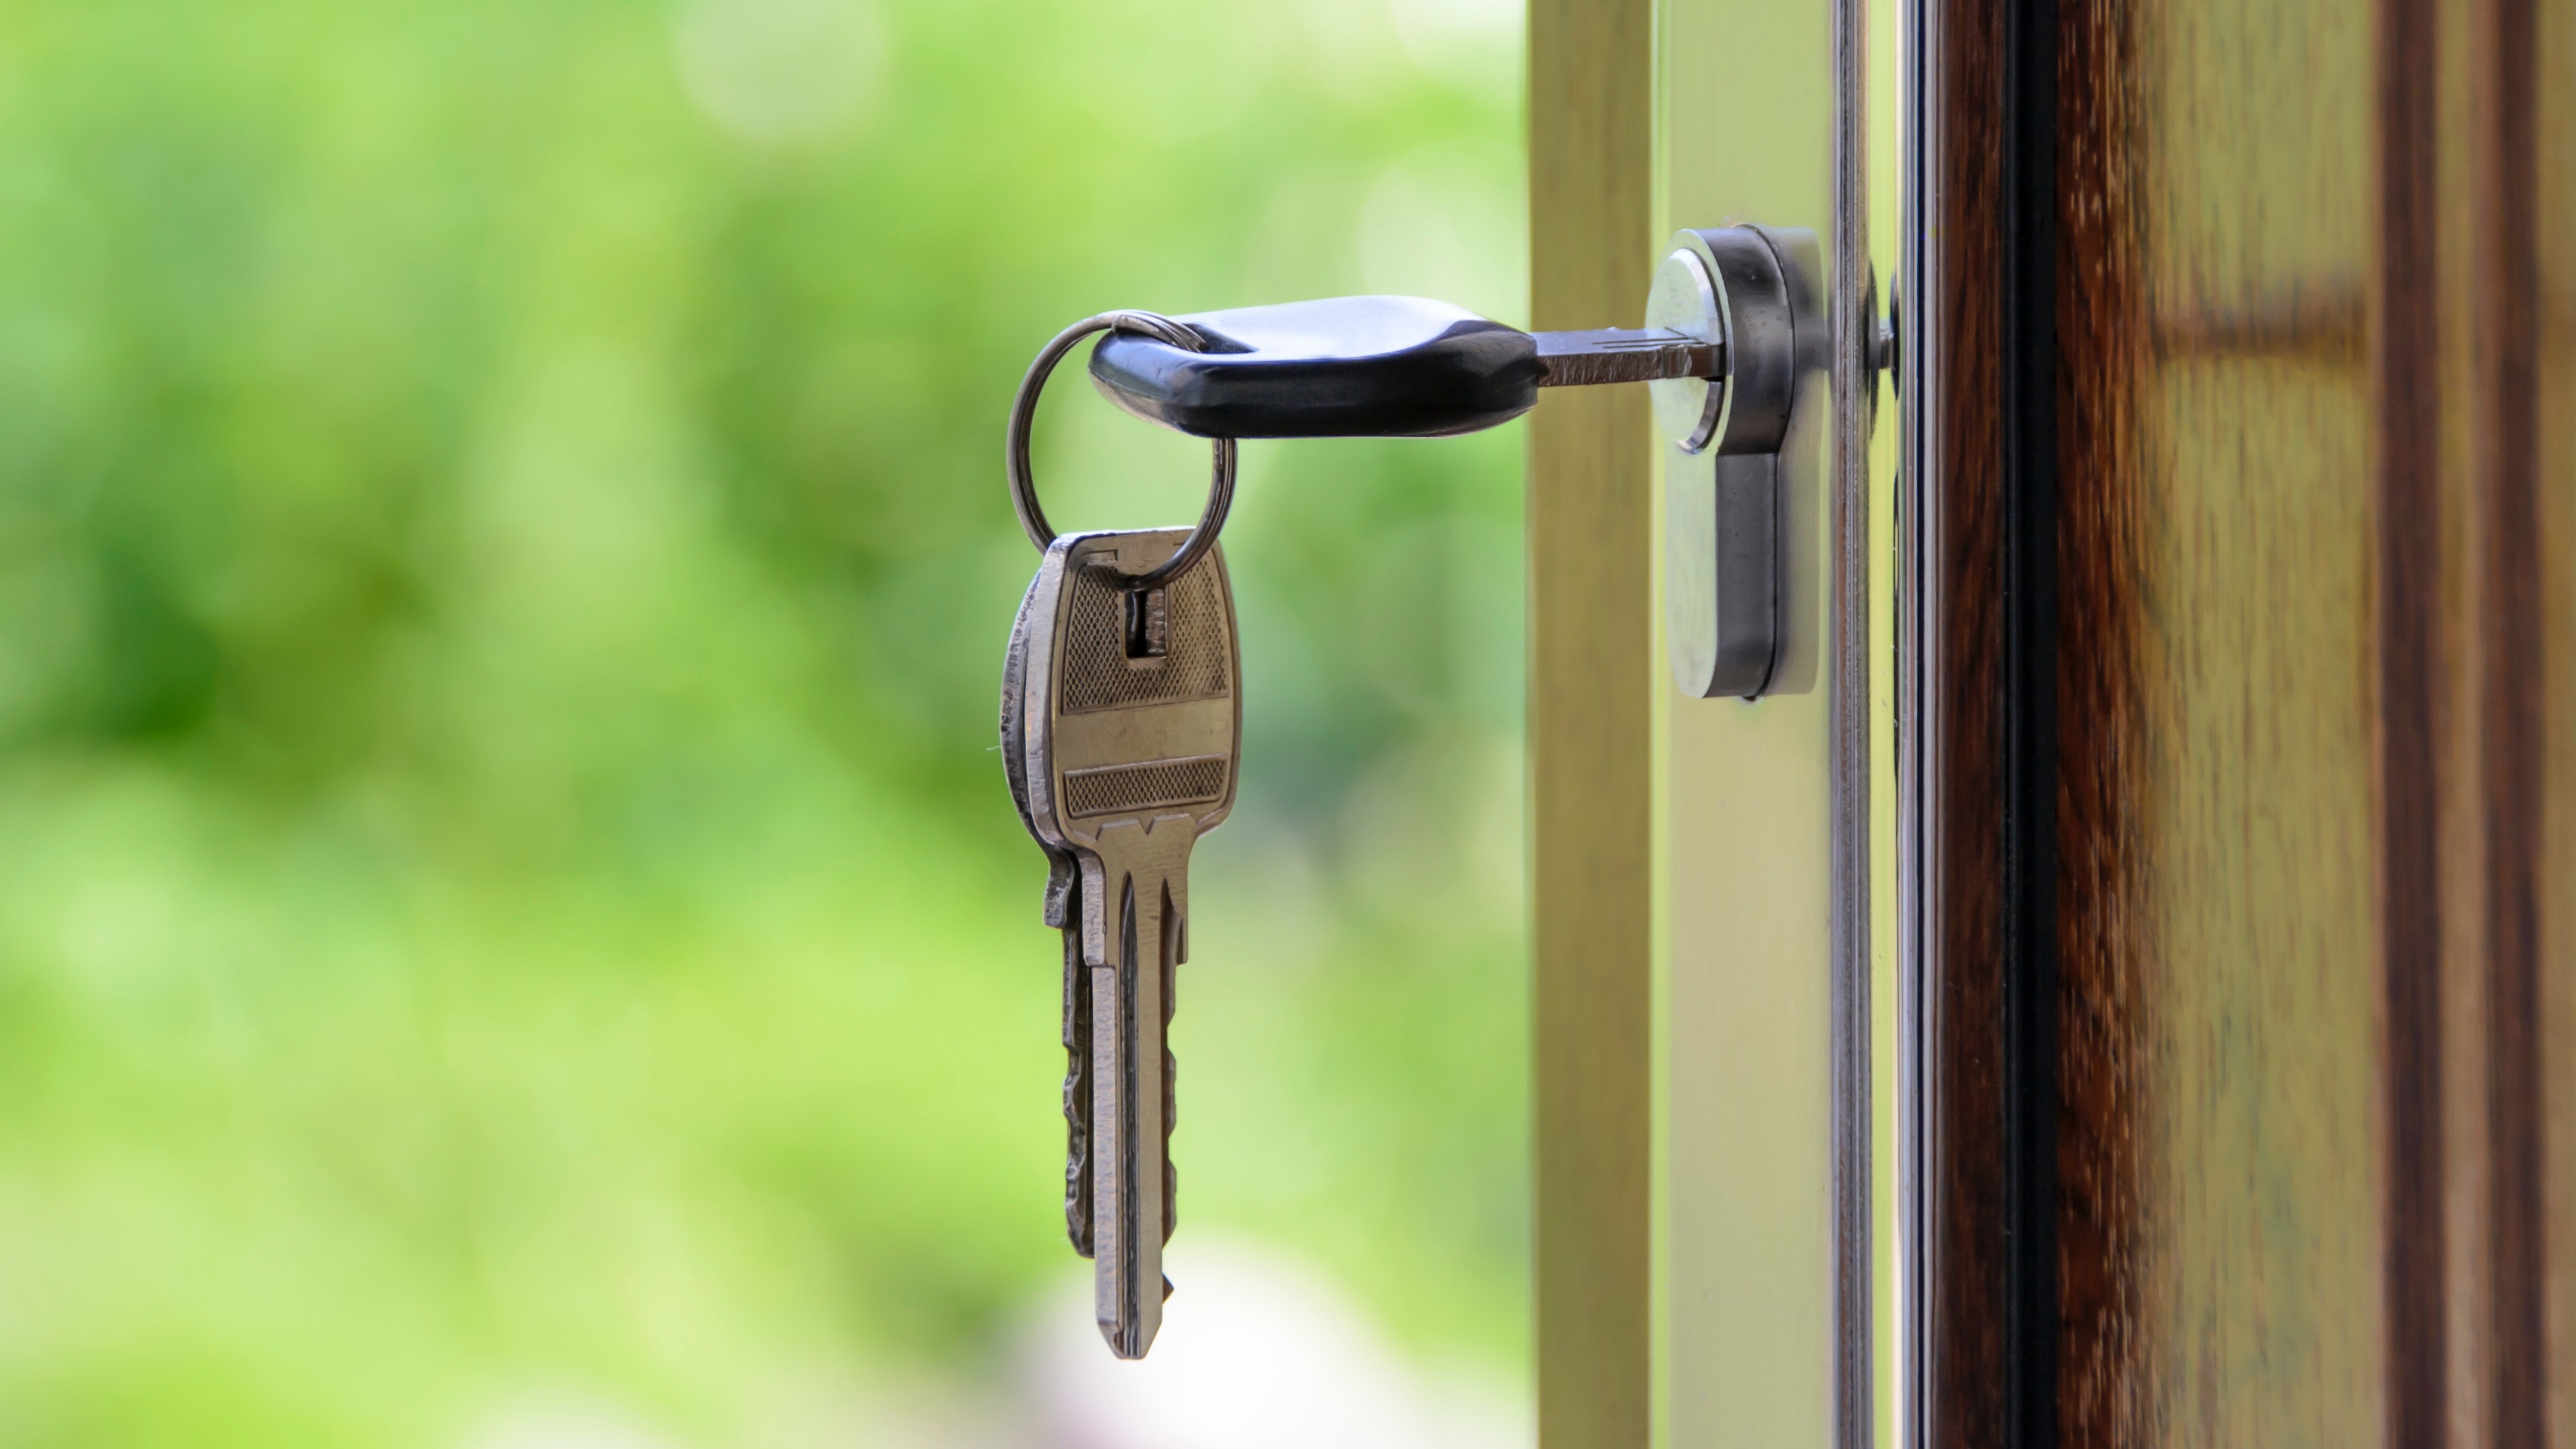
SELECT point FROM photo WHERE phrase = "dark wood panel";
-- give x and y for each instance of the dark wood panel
(2514, 786)
(2104, 720)
(2405, 362)
(1970, 1329)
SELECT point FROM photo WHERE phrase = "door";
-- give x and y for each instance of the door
(2219, 779)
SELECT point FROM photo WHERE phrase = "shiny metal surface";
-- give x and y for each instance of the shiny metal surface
(1024, 411)
(1911, 355)
(1722, 576)
(1125, 759)
(1760, 289)
(1649, 354)
(1771, 287)
(1689, 410)
(1852, 317)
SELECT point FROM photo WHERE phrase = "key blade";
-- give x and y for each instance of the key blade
(1127, 1190)
(1143, 867)
(1623, 354)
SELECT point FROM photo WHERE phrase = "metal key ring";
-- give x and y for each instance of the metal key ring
(1024, 410)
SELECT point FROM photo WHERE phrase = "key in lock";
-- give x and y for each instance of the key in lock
(1734, 349)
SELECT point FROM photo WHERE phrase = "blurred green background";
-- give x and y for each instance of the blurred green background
(506, 892)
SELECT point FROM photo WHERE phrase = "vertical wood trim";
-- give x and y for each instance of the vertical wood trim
(2406, 367)
(1967, 1391)
(2512, 714)
(2552, 303)
(2107, 1032)
(2000, 160)
(1590, 521)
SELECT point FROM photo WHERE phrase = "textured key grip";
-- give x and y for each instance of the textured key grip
(1098, 675)
(1343, 367)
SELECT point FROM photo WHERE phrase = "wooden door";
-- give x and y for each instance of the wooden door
(2227, 1079)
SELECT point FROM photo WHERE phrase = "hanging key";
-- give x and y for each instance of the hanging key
(1131, 720)
(1120, 720)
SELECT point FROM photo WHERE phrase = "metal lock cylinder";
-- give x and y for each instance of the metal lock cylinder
(1754, 290)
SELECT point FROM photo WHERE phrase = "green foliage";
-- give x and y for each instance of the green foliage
(503, 569)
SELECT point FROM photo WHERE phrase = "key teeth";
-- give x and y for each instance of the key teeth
(1077, 1182)
(1077, 1090)
(1171, 1103)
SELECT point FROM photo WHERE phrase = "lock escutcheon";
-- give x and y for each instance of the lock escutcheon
(1725, 516)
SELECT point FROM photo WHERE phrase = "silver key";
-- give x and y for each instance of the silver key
(1129, 722)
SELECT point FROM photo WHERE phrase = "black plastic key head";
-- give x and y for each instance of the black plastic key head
(1343, 367)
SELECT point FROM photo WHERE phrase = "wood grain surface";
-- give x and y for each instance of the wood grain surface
(2513, 654)
(2251, 531)
(1590, 520)
(2406, 357)
(2551, 173)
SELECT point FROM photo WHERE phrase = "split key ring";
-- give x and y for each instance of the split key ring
(1024, 410)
